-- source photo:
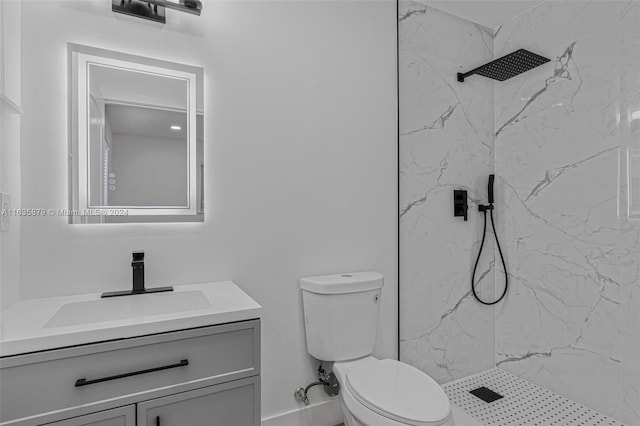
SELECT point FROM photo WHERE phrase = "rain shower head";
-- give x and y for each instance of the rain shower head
(507, 66)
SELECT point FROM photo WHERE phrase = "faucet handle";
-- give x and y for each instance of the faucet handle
(138, 255)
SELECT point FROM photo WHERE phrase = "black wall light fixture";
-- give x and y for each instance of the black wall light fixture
(154, 10)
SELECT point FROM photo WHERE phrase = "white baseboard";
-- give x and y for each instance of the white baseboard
(326, 413)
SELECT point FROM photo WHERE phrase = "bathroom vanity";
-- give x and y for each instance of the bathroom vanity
(197, 366)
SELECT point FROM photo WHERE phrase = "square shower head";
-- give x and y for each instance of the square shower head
(507, 66)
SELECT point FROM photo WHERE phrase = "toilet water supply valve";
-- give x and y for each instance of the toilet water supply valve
(329, 381)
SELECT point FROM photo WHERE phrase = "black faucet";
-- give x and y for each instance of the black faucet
(137, 264)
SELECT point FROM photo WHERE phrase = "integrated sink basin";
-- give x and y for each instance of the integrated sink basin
(127, 307)
(47, 323)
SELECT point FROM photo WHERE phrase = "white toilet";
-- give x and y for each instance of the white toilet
(341, 320)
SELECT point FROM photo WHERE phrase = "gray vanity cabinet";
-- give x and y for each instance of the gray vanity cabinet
(195, 377)
(122, 416)
(229, 404)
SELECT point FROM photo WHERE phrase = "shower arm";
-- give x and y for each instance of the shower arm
(462, 76)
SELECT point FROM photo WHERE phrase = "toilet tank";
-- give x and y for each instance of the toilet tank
(341, 314)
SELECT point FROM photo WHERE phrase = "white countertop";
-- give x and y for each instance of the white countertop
(26, 325)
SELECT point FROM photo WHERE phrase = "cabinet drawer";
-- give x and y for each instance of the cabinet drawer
(123, 416)
(127, 371)
(229, 404)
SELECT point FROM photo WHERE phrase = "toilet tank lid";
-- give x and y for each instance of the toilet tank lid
(350, 282)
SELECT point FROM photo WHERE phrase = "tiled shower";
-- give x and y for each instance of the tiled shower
(563, 141)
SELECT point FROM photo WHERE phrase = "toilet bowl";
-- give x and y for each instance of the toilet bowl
(341, 320)
(390, 393)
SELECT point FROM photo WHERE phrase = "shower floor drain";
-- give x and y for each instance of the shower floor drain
(524, 404)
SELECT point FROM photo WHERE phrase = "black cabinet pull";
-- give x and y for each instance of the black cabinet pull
(85, 382)
(157, 420)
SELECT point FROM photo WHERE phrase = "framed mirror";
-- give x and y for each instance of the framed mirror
(137, 145)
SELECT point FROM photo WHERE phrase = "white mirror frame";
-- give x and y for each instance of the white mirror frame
(81, 58)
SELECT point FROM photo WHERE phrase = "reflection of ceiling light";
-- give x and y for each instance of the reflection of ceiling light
(635, 115)
(175, 127)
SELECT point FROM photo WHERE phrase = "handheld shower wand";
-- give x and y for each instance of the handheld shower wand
(484, 208)
(490, 188)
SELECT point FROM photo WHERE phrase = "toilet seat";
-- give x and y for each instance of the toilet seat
(399, 392)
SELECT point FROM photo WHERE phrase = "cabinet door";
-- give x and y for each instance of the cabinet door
(122, 416)
(235, 403)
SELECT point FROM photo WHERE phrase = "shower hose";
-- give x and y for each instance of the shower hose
(483, 209)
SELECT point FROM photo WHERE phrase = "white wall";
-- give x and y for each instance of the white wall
(300, 134)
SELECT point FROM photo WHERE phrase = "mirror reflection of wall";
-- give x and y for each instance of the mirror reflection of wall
(148, 157)
(144, 141)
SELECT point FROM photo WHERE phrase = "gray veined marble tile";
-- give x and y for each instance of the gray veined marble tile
(446, 141)
(558, 144)
(558, 138)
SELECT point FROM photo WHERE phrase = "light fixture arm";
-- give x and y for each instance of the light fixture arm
(182, 7)
(154, 10)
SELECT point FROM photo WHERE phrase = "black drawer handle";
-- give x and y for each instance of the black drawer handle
(85, 382)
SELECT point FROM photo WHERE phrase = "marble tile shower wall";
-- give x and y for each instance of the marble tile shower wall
(570, 322)
(559, 136)
(446, 143)
(630, 143)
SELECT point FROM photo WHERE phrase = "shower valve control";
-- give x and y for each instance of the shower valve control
(460, 206)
